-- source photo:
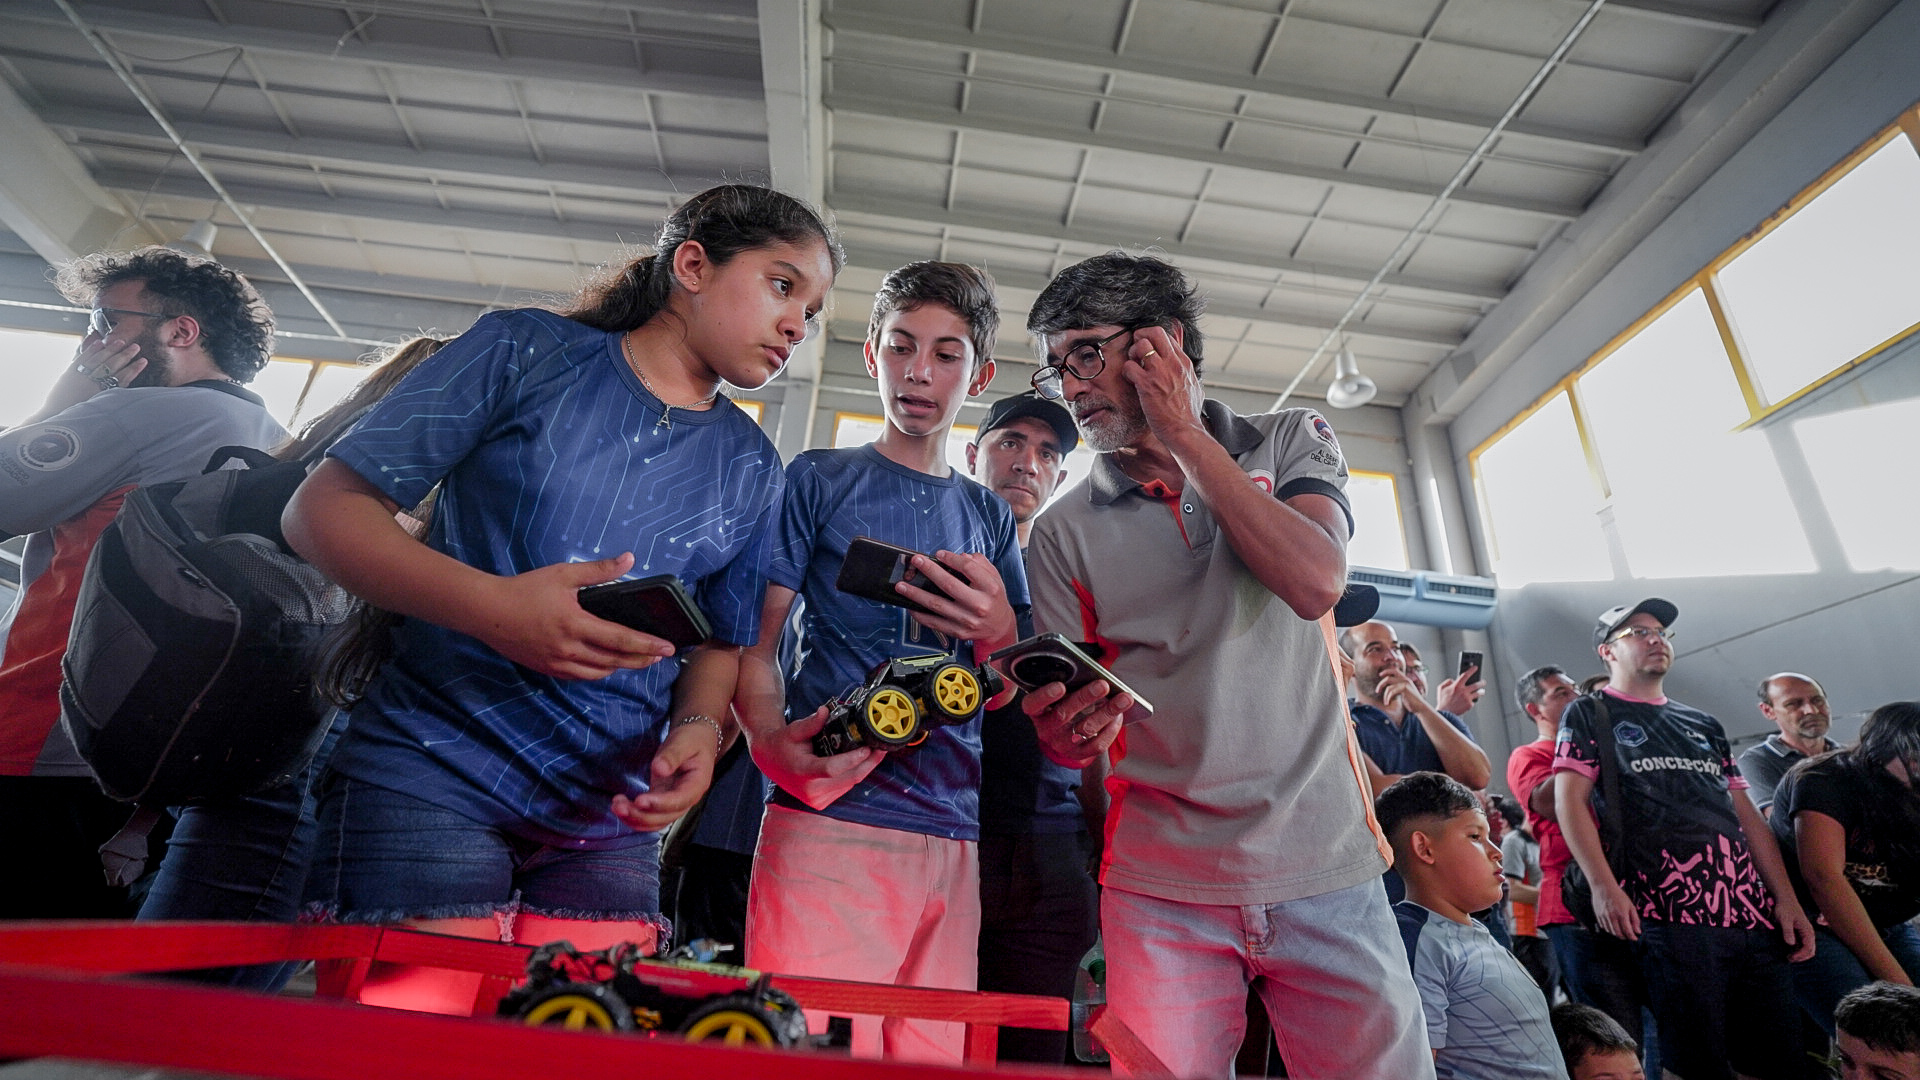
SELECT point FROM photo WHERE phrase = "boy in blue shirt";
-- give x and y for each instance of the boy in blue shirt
(868, 865)
(1486, 1019)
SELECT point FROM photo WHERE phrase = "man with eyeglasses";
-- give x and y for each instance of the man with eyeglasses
(1205, 554)
(1699, 884)
(153, 390)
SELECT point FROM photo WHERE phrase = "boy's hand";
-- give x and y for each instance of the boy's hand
(681, 773)
(786, 757)
(1075, 729)
(535, 620)
(975, 607)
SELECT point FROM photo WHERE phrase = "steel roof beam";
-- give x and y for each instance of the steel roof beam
(335, 49)
(483, 162)
(1104, 140)
(909, 33)
(1051, 231)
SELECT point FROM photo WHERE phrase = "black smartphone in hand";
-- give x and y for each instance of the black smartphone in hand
(873, 567)
(658, 605)
(1471, 659)
(1050, 658)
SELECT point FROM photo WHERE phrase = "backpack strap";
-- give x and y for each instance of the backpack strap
(1611, 827)
(251, 456)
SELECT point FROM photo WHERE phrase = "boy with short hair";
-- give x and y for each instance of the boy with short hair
(1485, 1017)
(1877, 1033)
(1594, 1045)
(868, 866)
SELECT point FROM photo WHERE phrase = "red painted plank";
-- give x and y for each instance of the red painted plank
(961, 1006)
(159, 946)
(185, 1027)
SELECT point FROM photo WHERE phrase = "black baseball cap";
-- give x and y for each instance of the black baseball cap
(1019, 406)
(1610, 619)
(1357, 605)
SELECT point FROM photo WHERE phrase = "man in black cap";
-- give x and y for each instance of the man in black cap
(1039, 912)
(1696, 876)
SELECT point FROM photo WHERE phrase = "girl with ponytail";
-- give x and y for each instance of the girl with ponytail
(508, 770)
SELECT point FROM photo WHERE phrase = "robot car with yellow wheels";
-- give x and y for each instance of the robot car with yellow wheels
(619, 989)
(903, 700)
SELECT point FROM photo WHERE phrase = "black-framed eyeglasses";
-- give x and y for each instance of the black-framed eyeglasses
(99, 321)
(1644, 633)
(1085, 360)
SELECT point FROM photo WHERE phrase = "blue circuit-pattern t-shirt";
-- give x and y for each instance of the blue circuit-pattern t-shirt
(833, 496)
(551, 451)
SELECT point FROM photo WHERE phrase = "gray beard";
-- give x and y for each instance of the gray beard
(1114, 432)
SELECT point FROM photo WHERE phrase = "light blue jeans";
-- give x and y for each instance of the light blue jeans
(1330, 968)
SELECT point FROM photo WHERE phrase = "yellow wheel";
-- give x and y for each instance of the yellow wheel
(956, 692)
(892, 717)
(730, 1025)
(579, 1007)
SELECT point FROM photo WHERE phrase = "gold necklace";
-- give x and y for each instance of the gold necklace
(666, 410)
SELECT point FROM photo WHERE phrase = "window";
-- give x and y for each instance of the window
(755, 409)
(1862, 462)
(1539, 503)
(853, 429)
(30, 361)
(1837, 279)
(1692, 496)
(1379, 537)
(279, 385)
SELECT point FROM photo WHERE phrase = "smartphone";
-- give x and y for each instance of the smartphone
(873, 567)
(1050, 658)
(1471, 659)
(657, 605)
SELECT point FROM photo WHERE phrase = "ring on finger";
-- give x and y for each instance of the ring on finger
(107, 382)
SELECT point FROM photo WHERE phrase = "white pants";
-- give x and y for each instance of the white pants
(834, 900)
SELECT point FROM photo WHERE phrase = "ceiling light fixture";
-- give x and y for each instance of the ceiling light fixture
(1349, 389)
(198, 238)
(1427, 220)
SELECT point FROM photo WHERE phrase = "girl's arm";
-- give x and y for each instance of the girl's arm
(344, 525)
(1823, 857)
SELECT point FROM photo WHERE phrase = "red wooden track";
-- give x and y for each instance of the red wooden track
(61, 995)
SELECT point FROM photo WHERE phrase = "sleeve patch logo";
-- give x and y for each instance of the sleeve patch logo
(1629, 734)
(1262, 479)
(1324, 431)
(51, 449)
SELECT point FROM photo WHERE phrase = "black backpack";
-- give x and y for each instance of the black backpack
(188, 675)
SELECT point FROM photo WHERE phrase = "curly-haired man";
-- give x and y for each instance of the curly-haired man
(152, 391)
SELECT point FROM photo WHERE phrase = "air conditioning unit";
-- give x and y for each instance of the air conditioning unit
(1427, 599)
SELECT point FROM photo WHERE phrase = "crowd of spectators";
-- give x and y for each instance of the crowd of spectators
(506, 763)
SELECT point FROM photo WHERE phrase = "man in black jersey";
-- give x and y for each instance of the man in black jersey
(1696, 876)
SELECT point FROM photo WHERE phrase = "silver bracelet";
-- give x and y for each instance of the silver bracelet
(719, 735)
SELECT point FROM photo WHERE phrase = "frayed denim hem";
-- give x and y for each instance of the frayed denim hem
(502, 914)
(662, 928)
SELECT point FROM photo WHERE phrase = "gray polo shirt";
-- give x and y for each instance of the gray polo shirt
(1244, 786)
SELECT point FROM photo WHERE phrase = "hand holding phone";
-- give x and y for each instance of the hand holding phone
(1050, 658)
(873, 567)
(1471, 661)
(658, 605)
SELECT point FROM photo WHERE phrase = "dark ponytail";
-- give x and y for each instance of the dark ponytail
(725, 220)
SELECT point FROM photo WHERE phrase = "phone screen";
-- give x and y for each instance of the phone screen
(1470, 659)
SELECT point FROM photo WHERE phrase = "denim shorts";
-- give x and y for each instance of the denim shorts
(388, 857)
